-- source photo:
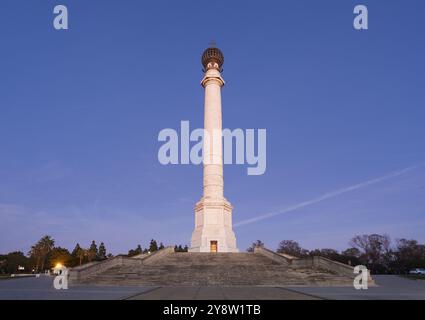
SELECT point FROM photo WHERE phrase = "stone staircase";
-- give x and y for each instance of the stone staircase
(214, 269)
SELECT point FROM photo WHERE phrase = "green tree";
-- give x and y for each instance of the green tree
(257, 243)
(40, 250)
(179, 248)
(153, 246)
(59, 255)
(351, 256)
(135, 252)
(78, 254)
(351, 252)
(409, 254)
(102, 251)
(161, 246)
(326, 253)
(36, 256)
(9, 263)
(3, 264)
(292, 248)
(92, 253)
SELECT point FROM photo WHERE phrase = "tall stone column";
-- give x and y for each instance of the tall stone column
(213, 213)
(213, 164)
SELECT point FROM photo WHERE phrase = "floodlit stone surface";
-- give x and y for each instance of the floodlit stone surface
(218, 269)
(213, 213)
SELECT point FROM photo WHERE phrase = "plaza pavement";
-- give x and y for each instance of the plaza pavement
(42, 289)
(388, 287)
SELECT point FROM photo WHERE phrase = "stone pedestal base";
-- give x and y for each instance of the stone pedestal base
(213, 227)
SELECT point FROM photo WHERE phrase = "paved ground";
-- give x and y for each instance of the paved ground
(389, 287)
(42, 289)
(222, 293)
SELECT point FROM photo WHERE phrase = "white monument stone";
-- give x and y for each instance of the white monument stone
(213, 213)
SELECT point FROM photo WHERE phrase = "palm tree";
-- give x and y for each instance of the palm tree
(40, 251)
(46, 244)
(35, 253)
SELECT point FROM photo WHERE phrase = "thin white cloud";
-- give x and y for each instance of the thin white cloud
(329, 195)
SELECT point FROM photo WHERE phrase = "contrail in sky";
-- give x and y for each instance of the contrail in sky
(329, 195)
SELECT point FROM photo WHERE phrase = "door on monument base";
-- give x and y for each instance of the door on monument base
(213, 246)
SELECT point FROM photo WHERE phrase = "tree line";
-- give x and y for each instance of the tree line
(153, 246)
(377, 252)
(44, 255)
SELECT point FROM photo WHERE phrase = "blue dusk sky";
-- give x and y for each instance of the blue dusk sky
(81, 109)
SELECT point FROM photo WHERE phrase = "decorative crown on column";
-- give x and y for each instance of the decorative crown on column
(212, 58)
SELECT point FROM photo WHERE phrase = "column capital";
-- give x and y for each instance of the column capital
(212, 79)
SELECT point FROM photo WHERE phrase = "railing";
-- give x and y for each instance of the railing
(335, 266)
(81, 272)
(313, 262)
(272, 255)
(155, 256)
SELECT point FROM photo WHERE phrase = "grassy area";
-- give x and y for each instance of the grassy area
(4, 276)
(414, 276)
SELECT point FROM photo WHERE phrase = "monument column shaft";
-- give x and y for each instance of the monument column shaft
(213, 149)
(213, 213)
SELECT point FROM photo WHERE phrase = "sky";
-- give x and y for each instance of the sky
(81, 109)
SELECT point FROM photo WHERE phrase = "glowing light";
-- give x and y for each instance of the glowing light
(58, 265)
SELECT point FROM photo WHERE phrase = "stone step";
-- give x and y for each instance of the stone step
(178, 269)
